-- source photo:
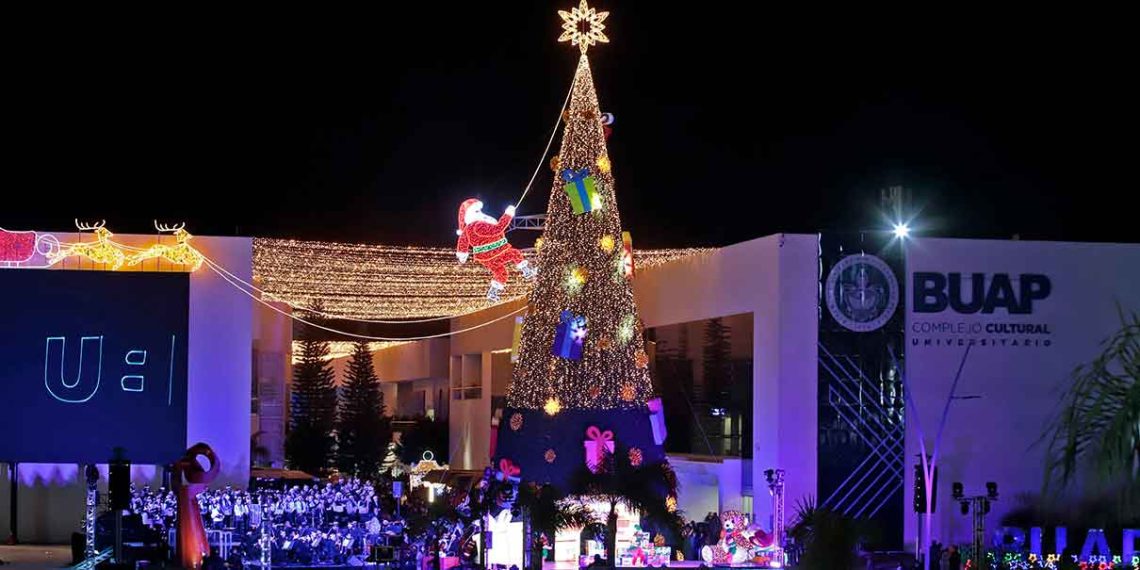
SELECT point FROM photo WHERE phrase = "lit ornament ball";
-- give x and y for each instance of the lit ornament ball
(658, 540)
(680, 556)
(627, 392)
(538, 244)
(556, 163)
(641, 359)
(594, 392)
(671, 504)
(604, 164)
(635, 457)
(516, 421)
(576, 279)
(579, 274)
(550, 456)
(607, 243)
(625, 330)
(604, 343)
(552, 407)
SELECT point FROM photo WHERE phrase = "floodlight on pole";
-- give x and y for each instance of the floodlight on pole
(901, 230)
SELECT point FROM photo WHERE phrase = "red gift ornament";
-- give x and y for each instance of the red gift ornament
(597, 444)
(508, 470)
(191, 534)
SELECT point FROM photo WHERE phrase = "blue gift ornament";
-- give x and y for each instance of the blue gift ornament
(569, 336)
(582, 190)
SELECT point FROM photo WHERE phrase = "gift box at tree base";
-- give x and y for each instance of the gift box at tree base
(644, 552)
(552, 449)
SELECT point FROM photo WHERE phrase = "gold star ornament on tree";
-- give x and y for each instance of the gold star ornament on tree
(582, 26)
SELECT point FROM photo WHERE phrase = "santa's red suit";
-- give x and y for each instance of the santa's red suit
(485, 238)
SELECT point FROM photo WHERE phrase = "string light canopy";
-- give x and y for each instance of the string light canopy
(342, 348)
(582, 26)
(367, 281)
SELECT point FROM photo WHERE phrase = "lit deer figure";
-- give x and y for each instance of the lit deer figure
(102, 250)
(181, 253)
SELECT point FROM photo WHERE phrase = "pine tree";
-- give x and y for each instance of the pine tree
(363, 433)
(309, 445)
(581, 271)
(717, 364)
(553, 400)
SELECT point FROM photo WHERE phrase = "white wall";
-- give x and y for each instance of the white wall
(776, 279)
(221, 354)
(709, 484)
(1013, 391)
(218, 404)
(472, 364)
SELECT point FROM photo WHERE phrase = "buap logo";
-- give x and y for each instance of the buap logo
(975, 293)
(862, 292)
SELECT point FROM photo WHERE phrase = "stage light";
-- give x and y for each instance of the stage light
(901, 230)
(965, 507)
(957, 491)
(991, 490)
(768, 473)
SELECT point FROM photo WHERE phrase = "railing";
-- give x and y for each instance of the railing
(223, 539)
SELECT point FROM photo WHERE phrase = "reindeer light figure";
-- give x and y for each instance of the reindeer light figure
(181, 253)
(102, 250)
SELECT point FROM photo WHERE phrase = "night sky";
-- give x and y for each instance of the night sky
(730, 123)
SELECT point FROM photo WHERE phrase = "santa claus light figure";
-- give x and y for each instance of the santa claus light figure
(485, 238)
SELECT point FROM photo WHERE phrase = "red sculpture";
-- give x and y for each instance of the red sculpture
(191, 535)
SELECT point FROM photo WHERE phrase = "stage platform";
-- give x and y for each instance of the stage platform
(574, 566)
(27, 556)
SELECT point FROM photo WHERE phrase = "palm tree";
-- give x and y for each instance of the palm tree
(640, 489)
(545, 512)
(1099, 424)
(828, 537)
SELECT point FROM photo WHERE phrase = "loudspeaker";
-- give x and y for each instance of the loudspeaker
(78, 545)
(119, 485)
(381, 553)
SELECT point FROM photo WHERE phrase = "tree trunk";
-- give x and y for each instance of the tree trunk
(611, 535)
(528, 540)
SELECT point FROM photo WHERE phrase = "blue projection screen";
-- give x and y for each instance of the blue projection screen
(90, 361)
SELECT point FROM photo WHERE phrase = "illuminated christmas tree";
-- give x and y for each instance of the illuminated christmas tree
(582, 372)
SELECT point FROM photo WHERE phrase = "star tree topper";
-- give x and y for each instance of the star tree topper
(582, 26)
